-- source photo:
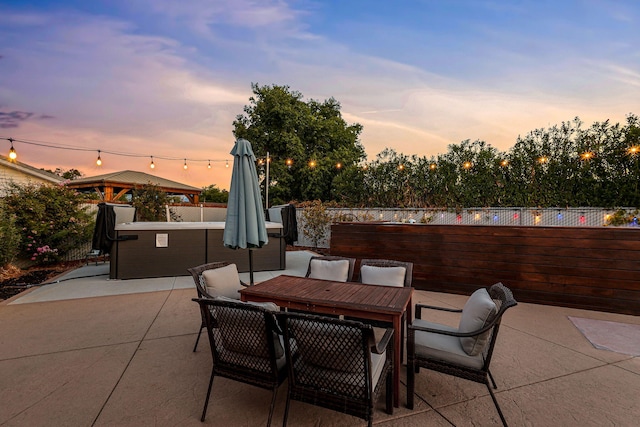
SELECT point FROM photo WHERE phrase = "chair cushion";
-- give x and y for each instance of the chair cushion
(390, 276)
(442, 347)
(337, 270)
(271, 306)
(223, 281)
(476, 313)
(321, 374)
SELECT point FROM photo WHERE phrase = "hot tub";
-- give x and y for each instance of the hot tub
(161, 249)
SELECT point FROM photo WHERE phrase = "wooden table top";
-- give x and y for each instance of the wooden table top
(344, 297)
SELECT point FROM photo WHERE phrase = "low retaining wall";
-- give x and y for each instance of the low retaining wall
(589, 268)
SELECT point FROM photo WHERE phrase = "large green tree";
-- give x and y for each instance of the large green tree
(309, 143)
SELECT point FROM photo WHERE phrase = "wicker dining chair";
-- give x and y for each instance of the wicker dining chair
(390, 273)
(464, 352)
(374, 275)
(201, 286)
(331, 267)
(336, 364)
(246, 345)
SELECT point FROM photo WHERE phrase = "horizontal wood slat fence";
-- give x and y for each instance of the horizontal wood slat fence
(588, 268)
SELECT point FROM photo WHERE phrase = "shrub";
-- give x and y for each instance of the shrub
(150, 201)
(50, 220)
(316, 220)
(9, 235)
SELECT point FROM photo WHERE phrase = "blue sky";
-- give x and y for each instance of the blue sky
(166, 78)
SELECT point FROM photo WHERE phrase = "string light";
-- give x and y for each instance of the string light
(209, 165)
(338, 165)
(12, 152)
(467, 165)
(152, 165)
(634, 150)
(227, 164)
(433, 166)
(289, 163)
(504, 163)
(185, 165)
(543, 159)
(312, 164)
(400, 167)
(586, 155)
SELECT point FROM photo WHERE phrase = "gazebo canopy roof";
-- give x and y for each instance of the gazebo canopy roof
(112, 186)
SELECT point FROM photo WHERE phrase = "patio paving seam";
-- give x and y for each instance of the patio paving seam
(541, 338)
(133, 355)
(25, 356)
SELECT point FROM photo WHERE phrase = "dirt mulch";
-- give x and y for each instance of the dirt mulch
(14, 280)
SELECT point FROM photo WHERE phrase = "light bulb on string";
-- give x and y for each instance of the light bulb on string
(338, 165)
(99, 160)
(209, 165)
(289, 163)
(227, 164)
(152, 165)
(12, 152)
(185, 167)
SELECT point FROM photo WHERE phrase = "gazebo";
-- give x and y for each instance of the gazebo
(113, 187)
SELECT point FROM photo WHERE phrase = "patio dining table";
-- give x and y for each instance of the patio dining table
(368, 302)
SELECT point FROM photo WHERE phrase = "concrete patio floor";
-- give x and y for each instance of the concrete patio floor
(88, 351)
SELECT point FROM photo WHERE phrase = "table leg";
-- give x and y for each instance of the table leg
(397, 342)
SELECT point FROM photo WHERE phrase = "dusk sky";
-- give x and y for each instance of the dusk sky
(166, 78)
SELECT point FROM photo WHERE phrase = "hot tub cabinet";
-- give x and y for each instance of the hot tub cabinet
(161, 249)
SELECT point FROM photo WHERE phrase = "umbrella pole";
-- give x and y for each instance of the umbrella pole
(251, 266)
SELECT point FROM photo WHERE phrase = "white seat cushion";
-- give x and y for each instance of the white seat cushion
(390, 276)
(476, 313)
(337, 270)
(443, 347)
(223, 281)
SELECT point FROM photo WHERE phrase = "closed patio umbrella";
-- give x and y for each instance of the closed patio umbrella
(245, 226)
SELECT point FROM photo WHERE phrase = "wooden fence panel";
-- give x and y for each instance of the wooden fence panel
(589, 268)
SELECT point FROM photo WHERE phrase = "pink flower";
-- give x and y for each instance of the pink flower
(33, 258)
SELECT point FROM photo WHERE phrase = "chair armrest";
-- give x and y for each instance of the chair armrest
(246, 285)
(381, 345)
(419, 307)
